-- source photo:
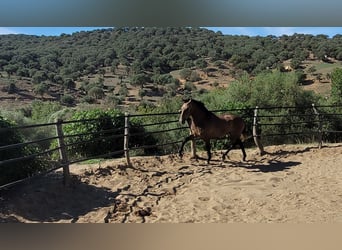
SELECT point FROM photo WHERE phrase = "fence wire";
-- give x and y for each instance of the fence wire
(268, 118)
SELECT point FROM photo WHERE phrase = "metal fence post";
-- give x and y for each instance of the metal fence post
(126, 139)
(256, 135)
(63, 152)
(319, 132)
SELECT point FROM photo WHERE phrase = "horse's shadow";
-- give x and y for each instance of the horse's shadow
(284, 153)
(270, 166)
(269, 162)
(256, 166)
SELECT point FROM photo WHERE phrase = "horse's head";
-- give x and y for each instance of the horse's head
(185, 111)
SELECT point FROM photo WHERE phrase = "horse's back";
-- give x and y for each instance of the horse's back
(235, 123)
(229, 117)
(234, 118)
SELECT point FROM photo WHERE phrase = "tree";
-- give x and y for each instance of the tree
(114, 66)
(69, 83)
(11, 89)
(194, 77)
(142, 93)
(201, 63)
(295, 63)
(10, 69)
(39, 76)
(312, 69)
(319, 77)
(123, 91)
(336, 86)
(41, 89)
(96, 92)
(139, 79)
(102, 72)
(185, 73)
(67, 100)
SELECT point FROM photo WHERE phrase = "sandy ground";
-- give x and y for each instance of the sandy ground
(290, 184)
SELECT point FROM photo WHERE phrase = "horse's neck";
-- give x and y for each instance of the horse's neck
(201, 119)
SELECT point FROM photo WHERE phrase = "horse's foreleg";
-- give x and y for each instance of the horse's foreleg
(180, 152)
(243, 150)
(207, 147)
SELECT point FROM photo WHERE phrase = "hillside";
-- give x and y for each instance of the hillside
(123, 66)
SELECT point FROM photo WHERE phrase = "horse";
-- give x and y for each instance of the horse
(205, 125)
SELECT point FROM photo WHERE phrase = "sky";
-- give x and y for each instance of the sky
(249, 31)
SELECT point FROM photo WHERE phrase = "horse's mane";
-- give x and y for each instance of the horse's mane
(201, 106)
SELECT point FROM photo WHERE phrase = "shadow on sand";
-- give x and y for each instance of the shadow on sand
(269, 162)
(47, 200)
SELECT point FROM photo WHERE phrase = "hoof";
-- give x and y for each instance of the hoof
(224, 157)
(194, 157)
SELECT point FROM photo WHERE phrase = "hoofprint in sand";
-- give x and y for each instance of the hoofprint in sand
(291, 183)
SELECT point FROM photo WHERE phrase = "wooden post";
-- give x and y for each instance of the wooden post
(319, 132)
(256, 135)
(63, 152)
(126, 139)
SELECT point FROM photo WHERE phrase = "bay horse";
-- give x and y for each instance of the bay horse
(205, 125)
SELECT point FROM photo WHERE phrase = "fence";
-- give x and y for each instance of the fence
(304, 122)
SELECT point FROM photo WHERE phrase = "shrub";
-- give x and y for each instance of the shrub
(185, 73)
(88, 99)
(189, 86)
(96, 92)
(167, 105)
(67, 100)
(101, 135)
(194, 77)
(20, 169)
(336, 86)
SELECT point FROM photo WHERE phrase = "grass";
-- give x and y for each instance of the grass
(323, 67)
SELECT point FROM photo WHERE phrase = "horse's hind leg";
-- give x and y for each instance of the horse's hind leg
(229, 148)
(243, 150)
(207, 147)
(238, 141)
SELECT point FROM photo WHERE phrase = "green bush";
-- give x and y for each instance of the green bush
(88, 99)
(20, 169)
(67, 100)
(336, 86)
(101, 134)
(276, 89)
(168, 105)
